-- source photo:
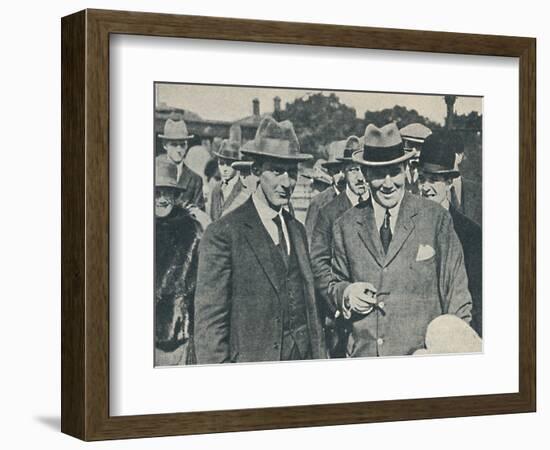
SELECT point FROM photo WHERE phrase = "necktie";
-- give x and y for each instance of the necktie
(282, 242)
(361, 199)
(385, 231)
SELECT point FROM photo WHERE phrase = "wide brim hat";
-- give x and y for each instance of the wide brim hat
(382, 147)
(166, 174)
(175, 130)
(276, 140)
(353, 144)
(438, 155)
(229, 150)
(335, 150)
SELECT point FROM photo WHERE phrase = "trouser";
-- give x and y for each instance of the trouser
(294, 351)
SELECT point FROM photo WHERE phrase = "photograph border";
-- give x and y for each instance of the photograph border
(85, 224)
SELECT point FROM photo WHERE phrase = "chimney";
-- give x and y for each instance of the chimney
(256, 107)
(277, 104)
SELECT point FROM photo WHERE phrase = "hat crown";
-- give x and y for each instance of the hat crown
(166, 173)
(175, 129)
(229, 150)
(415, 131)
(353, 144)
(385, 137)
(277, 140)
(335, 151)
(438, 152)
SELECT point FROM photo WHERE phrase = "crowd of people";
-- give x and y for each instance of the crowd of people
(387, 264)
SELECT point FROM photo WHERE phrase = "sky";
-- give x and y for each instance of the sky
(231, 103)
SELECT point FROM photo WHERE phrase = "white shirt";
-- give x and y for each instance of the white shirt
(457, 183)
(228, 187)
(353, 197)
(267, 215)
(380, 213)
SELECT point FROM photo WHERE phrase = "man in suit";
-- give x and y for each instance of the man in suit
(466, 195)
(175, 141)
(229, 192)
(397, 262)
(334, 167)
(255, 298)
(413, 135)
(356, 190)
(437, 172)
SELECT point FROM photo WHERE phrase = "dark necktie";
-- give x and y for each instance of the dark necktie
(385, 232)
(282, 242)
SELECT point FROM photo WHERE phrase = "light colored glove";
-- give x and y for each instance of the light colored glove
(359, 297)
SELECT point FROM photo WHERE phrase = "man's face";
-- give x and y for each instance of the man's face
(176, 150)
(278, 179)
(164, 201)
(355, 179)
(434, 187)
(387, 184)
(338, 177)
(226, 171)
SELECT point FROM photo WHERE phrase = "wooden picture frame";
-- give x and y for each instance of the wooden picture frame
(85, 224)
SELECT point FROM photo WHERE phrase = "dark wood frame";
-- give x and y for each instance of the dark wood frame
(85, 224)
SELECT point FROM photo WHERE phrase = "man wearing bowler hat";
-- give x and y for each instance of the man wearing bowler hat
(397, 261)
(255, 297)
(436, 174)
(355, 191)
(175, 141)
(334, 167)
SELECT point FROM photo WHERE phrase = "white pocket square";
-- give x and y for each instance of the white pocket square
(424, 252)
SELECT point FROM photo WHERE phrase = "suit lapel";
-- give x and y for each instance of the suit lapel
(366, 228)
(403, 228)
(233, 194)
(261, 243)
(299, 247)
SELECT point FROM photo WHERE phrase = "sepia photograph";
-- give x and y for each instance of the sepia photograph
(294, 224)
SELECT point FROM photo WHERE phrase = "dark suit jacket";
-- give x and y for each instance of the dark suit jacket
(316, 204)
(471, 202)
(219, 205)
(469, 234)
(321, 247)
(191, 185)
(421, 277)
(237, 305)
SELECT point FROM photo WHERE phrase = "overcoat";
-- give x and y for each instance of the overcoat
(469, 234)
(220, 206)
(237, 305)
(316, 204)
(421, 277)
(190, 185)
(471, 201)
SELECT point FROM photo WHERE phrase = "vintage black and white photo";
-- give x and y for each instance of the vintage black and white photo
(305, 223)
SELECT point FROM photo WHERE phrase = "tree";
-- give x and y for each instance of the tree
(319, 119)
(400, 115)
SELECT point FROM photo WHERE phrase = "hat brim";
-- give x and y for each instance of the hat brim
(219, 155)
(167, 185)
(329, 164)
(172, 138)
(298, 157)
(449, 173)
(358, 158)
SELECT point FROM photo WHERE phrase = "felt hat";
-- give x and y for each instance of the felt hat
(276, 140)
(438, 154)
(415, 132)
(335, 151)
(175, 130)
(229, 150)
(166, 173)
(382, 147)
(353, 144)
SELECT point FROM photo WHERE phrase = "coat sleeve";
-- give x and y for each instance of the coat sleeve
(453, 281)
(340, 274)
(212, 297)
(311, 219)
(321, 255)
(198, 197)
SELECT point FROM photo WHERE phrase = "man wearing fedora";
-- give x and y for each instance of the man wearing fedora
(413, 135)
(437, 172)
(397, 262)
(255, 298)
(355, 191)
(334, 167)
(226, 193)
(175, 141)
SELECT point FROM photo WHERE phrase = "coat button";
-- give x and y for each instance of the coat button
(379, 341)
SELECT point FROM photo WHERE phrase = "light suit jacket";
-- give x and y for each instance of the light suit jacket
(238, 315)
(421, 277)
(315, 205)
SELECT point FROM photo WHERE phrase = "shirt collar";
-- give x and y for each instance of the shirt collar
(353, 197)
(380, 213)
(231, 182)
(264, 210)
